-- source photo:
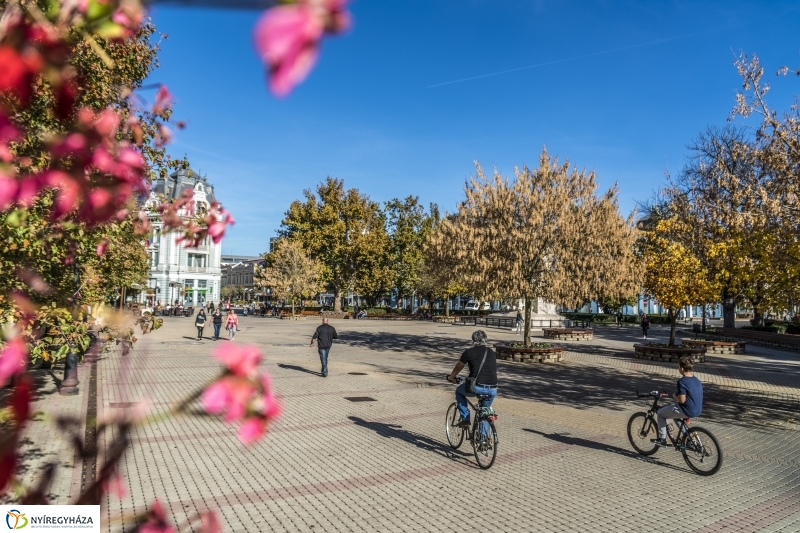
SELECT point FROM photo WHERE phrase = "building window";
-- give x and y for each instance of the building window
(201, 283)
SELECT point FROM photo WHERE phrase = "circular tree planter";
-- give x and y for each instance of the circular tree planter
(716, 347)
(668, 354)
(551, 354)
(568, 334)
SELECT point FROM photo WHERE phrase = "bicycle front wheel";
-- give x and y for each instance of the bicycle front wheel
(484, 443)
(641, 429)
(701, 451)
(455, 434)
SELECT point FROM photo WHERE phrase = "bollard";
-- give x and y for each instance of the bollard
(69, 385)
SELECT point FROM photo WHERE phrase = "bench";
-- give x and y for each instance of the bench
(763, 338)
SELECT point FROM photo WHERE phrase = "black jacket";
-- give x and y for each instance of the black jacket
(325, 335)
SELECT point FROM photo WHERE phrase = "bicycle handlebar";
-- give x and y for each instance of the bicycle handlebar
(458, 379)
(653, 394)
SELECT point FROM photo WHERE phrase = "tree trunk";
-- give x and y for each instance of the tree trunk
(673, 320)
(337, 300)
(292, 307)
(728, 312)
(758, 317)
(447, 307)
(705, 313)
(526, 339)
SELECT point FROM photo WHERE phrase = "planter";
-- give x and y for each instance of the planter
(716, 347)
(569, 334)
(668, 354)
(529, 355)
(333, 314)
(296, 317)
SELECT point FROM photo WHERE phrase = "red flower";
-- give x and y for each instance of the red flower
(12, 359)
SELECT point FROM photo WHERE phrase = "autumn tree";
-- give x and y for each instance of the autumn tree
(672, 273)
(533, 237)
(346, 232)
(408, 225)
(290, 272)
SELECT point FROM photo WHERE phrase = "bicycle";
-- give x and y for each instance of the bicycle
(483, 433)
(699, 447)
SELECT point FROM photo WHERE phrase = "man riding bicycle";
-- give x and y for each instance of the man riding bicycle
(689, 395)
(482, 363)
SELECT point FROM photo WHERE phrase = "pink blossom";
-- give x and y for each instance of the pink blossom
(210, 522)
(28, 189)
(115, 485)
(107, 122)
(241, 360)
(252, 429)
(216, 397)
(156, 520)
(101, 247)
(12, 359)
(8, 191)
(163, 99)
(68, 191)
(286, 40)
(272, 407)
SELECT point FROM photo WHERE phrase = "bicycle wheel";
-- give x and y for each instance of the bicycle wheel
(642, 428)
(455, 434)
(485, 444)
(701, 451)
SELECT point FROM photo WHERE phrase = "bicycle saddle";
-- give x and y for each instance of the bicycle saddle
(483, 396)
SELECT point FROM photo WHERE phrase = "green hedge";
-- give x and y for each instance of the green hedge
(775, 328)
(607, 318)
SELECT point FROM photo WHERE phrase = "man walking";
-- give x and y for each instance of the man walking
(324, 337)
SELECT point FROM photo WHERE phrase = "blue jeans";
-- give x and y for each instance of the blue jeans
(461, 398)
(323, 358)
(216, 330)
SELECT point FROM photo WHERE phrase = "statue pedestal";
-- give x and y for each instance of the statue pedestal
(543, 315)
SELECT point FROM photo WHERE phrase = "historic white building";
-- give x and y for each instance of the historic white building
(191, 276)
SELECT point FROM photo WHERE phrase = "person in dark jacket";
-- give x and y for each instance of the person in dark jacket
(216, 319)
(324, 337)
(645, 325)
(200, 323)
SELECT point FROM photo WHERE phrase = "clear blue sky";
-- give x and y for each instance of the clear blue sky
(617, 87)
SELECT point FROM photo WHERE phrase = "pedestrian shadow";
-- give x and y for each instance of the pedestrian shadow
(394, 431)
(299, 369)
(565, 438)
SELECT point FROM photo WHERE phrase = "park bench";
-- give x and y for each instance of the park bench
(763, 338)
(489, 321)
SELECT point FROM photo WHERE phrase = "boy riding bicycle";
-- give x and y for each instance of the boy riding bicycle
(689, 395)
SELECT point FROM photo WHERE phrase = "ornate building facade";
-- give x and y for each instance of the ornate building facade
(191, 276)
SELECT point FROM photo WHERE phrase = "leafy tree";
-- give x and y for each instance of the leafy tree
(290, 272)
(346, 232)
(672, 273)
(541, 235)
(439, 276)
(408, 226)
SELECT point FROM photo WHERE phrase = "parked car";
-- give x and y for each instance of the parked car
(474, 305)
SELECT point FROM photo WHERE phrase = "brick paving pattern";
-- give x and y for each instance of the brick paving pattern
(329, 464)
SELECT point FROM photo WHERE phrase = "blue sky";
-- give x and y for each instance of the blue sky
(617, 87)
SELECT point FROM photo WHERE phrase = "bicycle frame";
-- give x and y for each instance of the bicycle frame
(679, 424)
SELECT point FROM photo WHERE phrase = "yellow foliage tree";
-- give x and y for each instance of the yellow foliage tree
(290, 272)
(673, 273)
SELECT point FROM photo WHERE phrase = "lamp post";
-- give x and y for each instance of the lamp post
(69, 385)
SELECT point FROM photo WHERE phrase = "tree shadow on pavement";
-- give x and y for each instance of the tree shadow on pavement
(393, 431)
(565, 438)
(573, 382)
(299, 369)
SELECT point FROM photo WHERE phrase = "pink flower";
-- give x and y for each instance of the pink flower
(286, 40)
(115, 485)
(231, 395)
(241, 360)
(156, 521)
(8, 191)
(163, 99)
(253, 429)
(12, 359)
(216, 397)
(210, 522)
(101, 247)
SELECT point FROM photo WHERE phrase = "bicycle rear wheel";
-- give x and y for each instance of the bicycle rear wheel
(701, 451)
(455, 434)
(485, 444)
(642, 428)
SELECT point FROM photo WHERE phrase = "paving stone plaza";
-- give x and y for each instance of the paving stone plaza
(331, 464)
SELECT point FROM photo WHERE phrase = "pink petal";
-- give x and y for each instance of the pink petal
(252, 430)
(272, 407)
(12, 359)
(8, 191)
(294, 69)
(115, 485)
(242, 360)
(211, 522)
(107, 123)
(101, 247)
(216, 397)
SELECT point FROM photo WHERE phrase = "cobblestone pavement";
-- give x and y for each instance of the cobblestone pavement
(329, 464)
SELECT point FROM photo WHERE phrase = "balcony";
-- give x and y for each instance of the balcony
(197, 270)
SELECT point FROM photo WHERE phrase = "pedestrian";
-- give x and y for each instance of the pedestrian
(645, 325)
(619, 318)
(520, 323)
(216, 319)
(210, 307)
(324, 336)
(200, 323)
(231, 324)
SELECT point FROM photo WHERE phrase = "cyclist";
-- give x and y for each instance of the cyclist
(485, 381)
(689, 396)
